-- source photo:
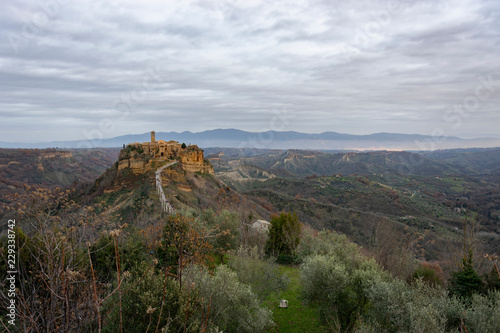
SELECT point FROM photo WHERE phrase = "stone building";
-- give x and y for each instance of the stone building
(191, 157)
(160, 149)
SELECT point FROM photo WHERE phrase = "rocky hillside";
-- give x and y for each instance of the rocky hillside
(128, 189)
(307, 163)
(51, 167)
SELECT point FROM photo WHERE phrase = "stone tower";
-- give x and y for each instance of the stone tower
(153, 140)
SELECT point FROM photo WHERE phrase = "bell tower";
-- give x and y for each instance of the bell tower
(153, 140)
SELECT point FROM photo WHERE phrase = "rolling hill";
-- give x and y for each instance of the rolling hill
(347, 192)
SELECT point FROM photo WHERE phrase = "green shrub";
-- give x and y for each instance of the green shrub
(227, 225)
(284, 235)
(452, 310)
(263, 276)
(483, 315)
(141, 302)
(429, 274)
(332, 244)
(398, 307)
(287, 259)
(229, 305)
(339, 288)
(465, 282)
(492, 280)
(132, 251)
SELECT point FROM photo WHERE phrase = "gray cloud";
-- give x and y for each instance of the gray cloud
(119, 67)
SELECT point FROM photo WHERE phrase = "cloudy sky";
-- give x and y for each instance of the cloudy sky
(83, 69)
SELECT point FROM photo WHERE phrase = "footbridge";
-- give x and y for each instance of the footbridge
(165, 205)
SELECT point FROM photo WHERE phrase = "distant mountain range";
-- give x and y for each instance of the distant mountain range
(232, 138)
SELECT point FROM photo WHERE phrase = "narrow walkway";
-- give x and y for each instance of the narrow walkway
(165, 205)
(298, 317)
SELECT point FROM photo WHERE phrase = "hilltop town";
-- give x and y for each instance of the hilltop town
(142, 157)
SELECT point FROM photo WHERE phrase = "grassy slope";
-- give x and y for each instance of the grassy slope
(297, 317)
